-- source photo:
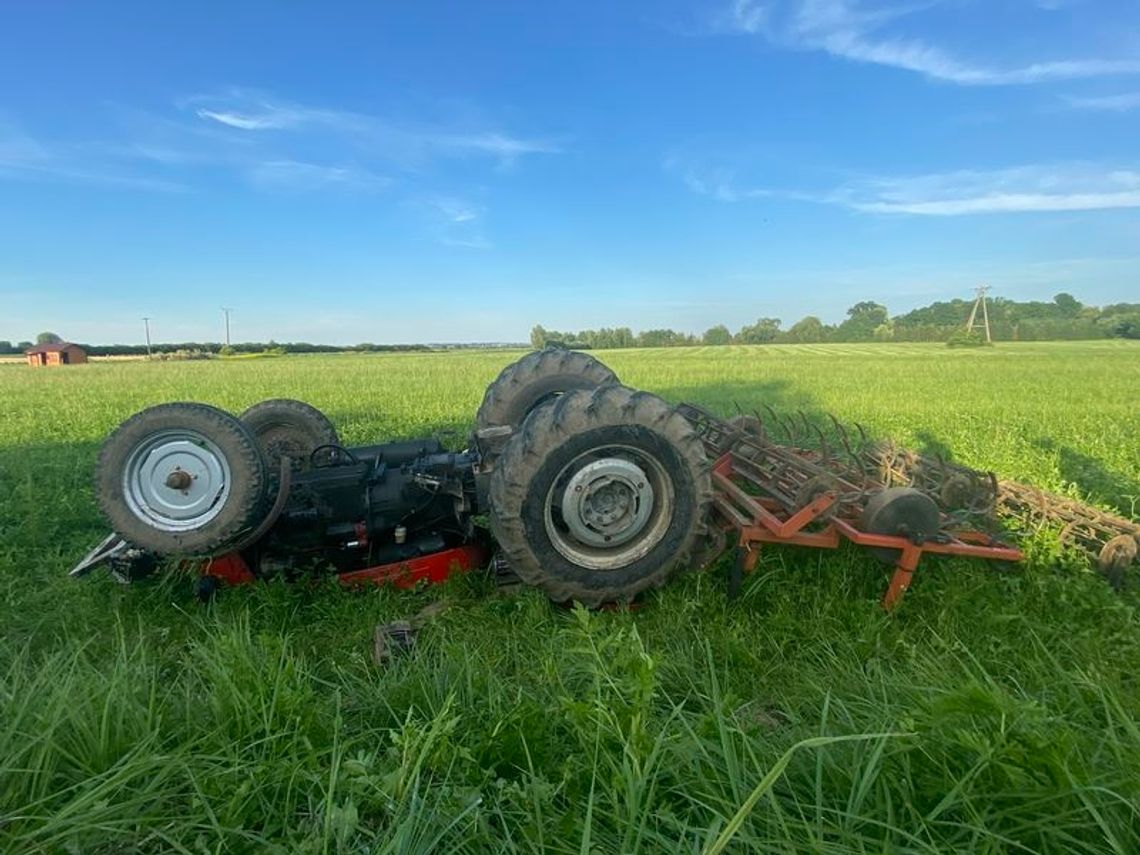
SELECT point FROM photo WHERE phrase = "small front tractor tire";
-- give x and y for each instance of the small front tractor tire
(181, 479)
(602, 495)
(287, 428)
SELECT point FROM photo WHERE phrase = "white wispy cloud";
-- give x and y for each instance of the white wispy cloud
(244, 122)
(1058, 187)
(854, 30)
(1121, 103)
(454, 210)
(455, 221)
(251, 111)
(1033, 188)
(498, 145)
(23, 157)
(718, 183)
(299, 175)
(17, 149)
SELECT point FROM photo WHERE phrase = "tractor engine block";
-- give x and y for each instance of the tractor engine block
(372, 505)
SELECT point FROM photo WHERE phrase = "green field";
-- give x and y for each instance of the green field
(996, 711)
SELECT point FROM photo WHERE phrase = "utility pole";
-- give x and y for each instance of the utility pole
(980, 300)
(146, 321)
(226, 312)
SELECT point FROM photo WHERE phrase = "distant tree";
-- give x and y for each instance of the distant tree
(862, 321)
(662, 339)
(884, 332)
(24, 345)
(717, 335)
(764, 330)
(1068, 306)
(810, 329)
(1124, 325)
(538, 337)
(6, 347)
(48, 338)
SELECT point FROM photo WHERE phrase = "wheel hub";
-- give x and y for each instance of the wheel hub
(176, 481)
(607, 502)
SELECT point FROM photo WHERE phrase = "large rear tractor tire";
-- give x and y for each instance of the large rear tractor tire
(602, 495)
(287, 428)
(181, 479)
(536, 378)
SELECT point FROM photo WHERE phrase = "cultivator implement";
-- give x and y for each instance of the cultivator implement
(1112, 542)
(769, 492)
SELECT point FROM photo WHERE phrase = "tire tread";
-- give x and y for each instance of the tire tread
(544, 430)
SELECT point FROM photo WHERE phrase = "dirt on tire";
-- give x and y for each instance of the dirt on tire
(536, 378)
(243, 504)
(286, 427)
(559, 432)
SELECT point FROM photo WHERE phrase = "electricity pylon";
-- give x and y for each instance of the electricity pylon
(980, 300)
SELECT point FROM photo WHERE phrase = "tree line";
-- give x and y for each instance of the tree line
(207, 348)
(1064, 318)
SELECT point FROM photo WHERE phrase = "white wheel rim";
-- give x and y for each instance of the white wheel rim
(609, 507)
(176, 481)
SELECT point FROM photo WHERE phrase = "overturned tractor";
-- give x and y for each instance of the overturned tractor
(594, 493)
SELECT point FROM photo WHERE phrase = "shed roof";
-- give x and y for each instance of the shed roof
(53, 348)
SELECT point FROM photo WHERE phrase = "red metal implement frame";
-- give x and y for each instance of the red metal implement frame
(759, 520)
(432, 569)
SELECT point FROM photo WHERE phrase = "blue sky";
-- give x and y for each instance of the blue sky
(390, 172)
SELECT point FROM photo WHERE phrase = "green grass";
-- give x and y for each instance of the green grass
(994, 712)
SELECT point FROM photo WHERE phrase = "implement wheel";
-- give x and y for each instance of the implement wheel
(181, 479)
(1115, 557)
(902, 511)
(287, 428)
(536, 378)
(601, 495)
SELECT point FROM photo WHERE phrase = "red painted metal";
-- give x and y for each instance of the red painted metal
(432, 569)
(230, 568)
(758, 520)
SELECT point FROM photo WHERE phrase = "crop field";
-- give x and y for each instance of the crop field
(995, 711)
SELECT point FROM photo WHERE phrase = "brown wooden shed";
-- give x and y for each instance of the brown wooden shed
(64, 353)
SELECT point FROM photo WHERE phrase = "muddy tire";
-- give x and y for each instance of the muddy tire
(535, 379)
(602, 495)
(181, 479)
(287, 428)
